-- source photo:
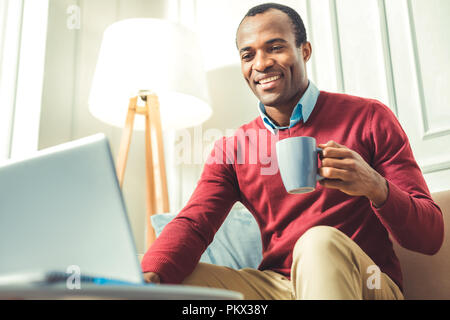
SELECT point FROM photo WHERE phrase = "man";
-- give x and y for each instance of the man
(325, 244)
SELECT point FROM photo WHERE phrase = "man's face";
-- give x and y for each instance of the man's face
(272, 65)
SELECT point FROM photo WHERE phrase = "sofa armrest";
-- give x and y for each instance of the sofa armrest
(426, 277)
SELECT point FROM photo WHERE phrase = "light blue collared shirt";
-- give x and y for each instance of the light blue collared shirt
(302, 110)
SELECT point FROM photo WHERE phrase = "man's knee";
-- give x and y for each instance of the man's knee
(319, 239)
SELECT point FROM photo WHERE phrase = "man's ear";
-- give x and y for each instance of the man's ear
(306, 49)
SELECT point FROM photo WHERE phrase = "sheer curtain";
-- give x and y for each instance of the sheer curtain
(23, 27)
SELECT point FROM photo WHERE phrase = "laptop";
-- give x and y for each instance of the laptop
(62, 210)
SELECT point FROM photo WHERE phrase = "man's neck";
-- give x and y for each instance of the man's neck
(281, 114)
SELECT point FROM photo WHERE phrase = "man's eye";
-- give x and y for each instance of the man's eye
(246, 56)
(276, 48)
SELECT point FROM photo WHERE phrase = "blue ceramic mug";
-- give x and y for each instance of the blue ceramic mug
(297, 160)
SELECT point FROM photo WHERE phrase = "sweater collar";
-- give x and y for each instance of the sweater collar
(302, 110)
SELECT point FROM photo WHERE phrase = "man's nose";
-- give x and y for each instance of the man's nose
(262, 62)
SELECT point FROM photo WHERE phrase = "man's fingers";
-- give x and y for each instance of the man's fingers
(330, 143)
(340, 153)
(333, 173)
(338, 163)
(151, 277)
(333, 149)
(332, 183)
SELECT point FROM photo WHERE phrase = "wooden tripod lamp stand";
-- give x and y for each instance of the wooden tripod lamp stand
(157, 197)
(166, 58)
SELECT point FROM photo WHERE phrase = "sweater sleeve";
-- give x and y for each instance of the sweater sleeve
(177, 250)
(409, 213)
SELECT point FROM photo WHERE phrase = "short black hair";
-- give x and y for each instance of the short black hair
(299, 27)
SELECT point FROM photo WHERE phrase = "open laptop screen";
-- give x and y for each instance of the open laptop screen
(63, 207)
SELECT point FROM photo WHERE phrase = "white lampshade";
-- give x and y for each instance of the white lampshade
(155, 55)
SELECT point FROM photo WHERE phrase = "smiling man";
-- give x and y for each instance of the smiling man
(274, 61)
(332, 243)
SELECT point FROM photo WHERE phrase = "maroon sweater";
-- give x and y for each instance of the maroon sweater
(232, 174)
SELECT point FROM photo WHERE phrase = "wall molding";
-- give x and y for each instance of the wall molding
(11, 29)
(337, 46)
(386, 44)
(418, 71)
(432, 134)
(311, 37)
(430, 168)
(427, 133)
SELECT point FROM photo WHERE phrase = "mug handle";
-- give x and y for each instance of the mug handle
(318, 176)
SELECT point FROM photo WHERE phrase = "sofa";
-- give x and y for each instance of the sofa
(237, 244)
(428, 277)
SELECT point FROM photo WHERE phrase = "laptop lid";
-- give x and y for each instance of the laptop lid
(63, 207)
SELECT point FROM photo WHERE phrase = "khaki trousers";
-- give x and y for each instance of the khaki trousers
(326, 265)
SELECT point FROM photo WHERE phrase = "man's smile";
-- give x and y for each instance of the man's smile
(268, 82)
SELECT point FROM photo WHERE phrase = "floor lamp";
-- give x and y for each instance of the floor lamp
(157, 198)
(154, 67)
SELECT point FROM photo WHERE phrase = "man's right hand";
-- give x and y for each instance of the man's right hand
(151, 277)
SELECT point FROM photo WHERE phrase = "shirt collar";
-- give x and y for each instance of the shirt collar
(302, 110)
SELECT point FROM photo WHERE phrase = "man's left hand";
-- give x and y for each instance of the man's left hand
(346, 170)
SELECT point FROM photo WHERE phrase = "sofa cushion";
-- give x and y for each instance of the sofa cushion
(237, 244)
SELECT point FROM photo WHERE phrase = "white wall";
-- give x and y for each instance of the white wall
(23, 31)
(70, 63)
(420, 47)
(394, 51)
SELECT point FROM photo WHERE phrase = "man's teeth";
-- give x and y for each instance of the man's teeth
(269, 79)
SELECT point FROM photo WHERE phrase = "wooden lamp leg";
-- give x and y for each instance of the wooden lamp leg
(162, 195)
(149, 170)
(157, 198)
(125, 141)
